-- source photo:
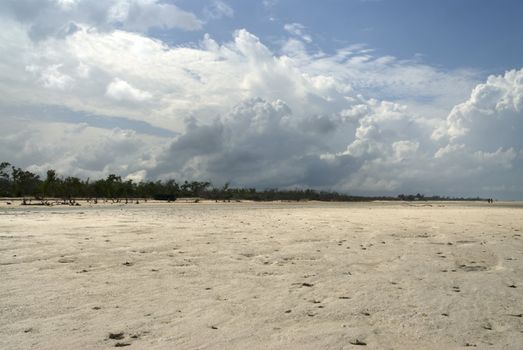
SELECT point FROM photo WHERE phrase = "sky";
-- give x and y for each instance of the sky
(367, 97)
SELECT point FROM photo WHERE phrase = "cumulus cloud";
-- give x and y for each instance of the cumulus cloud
(67, 4)
(258, 143)
(58, 17)
(211, 78)
(121, 90)
(497, 105)
(480, 139)
(79, 149)
(51, 77)
(246, 114)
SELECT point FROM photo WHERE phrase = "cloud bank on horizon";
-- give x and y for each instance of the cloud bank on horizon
(88, 89)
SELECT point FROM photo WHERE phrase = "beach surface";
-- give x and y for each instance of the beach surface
(420, 275)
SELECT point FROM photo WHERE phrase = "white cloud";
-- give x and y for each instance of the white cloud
(67, 4)
(404, 149)
(258, 143)
(52, 18)
(210, 79)
(51, 77)
(218, 9)
(121, 90)
(138, 176)
(140, 15)
(83, 150)
(349, 121)
(496, 105)
(298, 30)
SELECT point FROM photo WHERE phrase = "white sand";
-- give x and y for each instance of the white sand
(262, 276)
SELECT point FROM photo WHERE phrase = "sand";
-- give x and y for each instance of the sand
(262, 276)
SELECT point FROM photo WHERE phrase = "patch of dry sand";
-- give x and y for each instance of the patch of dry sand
(262, 276)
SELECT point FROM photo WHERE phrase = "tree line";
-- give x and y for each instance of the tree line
(17, 182)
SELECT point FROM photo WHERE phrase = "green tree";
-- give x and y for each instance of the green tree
(113, 186)
(72, 187)
(25, 183)
(5, 182)
(49, 185)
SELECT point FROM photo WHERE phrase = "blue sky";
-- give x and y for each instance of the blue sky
(447, 33)
(363, 97)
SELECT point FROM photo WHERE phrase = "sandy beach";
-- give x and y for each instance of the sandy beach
(209, 275)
